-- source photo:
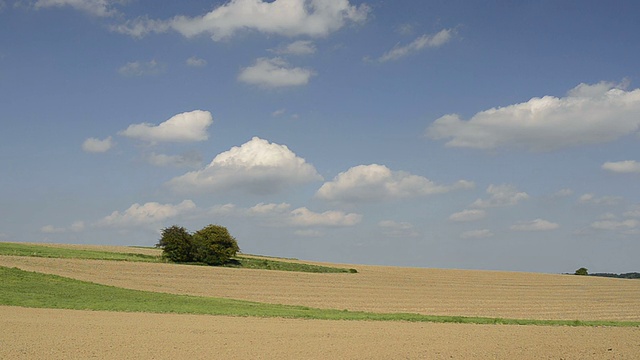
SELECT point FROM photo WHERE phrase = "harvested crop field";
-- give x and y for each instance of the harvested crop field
(63, 334)
(72, 334)
(373, 288)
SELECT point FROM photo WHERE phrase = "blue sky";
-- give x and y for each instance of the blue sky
(481, 135)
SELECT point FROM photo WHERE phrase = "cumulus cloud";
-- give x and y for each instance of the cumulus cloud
(627, 166)
(94, 145)
(195, 61)
(629, 226)
(77, 226)
(535, 225)
(50, 229)
(299, 47)
(501, 196)
(562, 193)
(274, 73)
(257, 166)
(101, 8)
(589, 114)
(280, 215)
(468, 215)
(305, 217)
(289, 18)
(397, 229)
(377, 182)
(190, 159)
(603, 200)
(424, 41)
(147, 214)
(477, 234)
(141, 68)
(185, 127)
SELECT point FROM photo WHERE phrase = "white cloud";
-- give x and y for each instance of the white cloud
(634, 212)
(150, 213)
(281, 17)
(94, 145)
(77, 226)
(190, 159)
(140, 68)
(299, 47)
(308, 233)
(397, 229)
(604, 200)
(266, 209)
(377, 182)
(280, 215)
(278, 112)
(140, 27)
(424, 41)
(305, 217)
(274, 73)
(188, 126)
(562, 193)
(477, 234)
(50, 229)
(257, 166)
(406, 29)
(613, 225)
(589, 114)
(101, 8)
(627, 166)
(535, 225)
(468, 215)
(500, 196)
(195, 61)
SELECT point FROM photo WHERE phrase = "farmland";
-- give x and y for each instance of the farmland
(373, 289)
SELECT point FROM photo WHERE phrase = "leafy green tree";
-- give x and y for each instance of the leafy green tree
(582, 271)
(214, 245)
(177, 244)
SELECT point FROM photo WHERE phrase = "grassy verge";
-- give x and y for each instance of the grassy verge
(256, 263)
(31, 289)
(16, 249)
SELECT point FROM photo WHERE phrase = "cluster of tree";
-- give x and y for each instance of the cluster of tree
(631, 275)
(212, 245)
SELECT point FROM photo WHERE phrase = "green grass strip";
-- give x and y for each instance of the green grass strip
(37, 290)
(253, 263)
(15, 249)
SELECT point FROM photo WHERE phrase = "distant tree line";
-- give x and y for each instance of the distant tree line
(211, 245)
(631, 275)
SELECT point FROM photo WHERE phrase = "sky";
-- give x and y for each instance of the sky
(497, 135)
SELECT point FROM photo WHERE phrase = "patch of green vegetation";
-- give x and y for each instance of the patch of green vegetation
(16, 249)
(32, 289)
(268, 264)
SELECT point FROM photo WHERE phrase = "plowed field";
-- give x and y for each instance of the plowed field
(69, 334)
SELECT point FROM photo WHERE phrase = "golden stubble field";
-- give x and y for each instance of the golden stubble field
(41, 333)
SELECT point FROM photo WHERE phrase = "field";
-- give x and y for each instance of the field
(54, 333)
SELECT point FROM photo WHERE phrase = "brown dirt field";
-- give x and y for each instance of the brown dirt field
(71, 334)
(374, 288)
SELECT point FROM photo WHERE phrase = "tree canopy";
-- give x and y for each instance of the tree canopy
(212, 245)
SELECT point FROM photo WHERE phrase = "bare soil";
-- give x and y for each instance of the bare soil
(373, 288)
(70, 334)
